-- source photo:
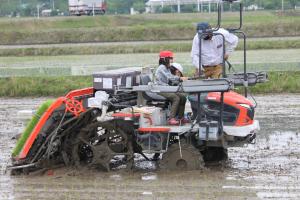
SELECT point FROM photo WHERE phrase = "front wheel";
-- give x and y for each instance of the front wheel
(215, 154)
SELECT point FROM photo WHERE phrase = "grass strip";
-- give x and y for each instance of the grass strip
(56, 23)
(30, 126)
(138, 48)
(42, 86)
(142, 33)
(137, 28)
(279, 82)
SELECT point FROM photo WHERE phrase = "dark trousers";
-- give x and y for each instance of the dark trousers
(178, 103)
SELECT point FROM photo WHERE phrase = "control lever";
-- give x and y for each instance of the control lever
(194, 78)
(201, 76)
(229, 65)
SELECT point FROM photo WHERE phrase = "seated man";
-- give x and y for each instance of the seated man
(163, 76)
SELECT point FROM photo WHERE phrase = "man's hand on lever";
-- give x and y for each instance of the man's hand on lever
(226, 56)
(184, 78)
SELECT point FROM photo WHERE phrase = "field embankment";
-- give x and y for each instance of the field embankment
(135, 47)
(279, 82)
(148, 27)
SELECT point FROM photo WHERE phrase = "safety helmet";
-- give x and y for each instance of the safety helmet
(166, 54)
(178, 67)
(203, 27)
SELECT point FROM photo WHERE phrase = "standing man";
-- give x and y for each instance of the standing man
(163, 76)
(212, 50)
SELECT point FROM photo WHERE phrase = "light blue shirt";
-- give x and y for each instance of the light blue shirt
(163, 75)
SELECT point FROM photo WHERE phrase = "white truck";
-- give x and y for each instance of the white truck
(87, 7)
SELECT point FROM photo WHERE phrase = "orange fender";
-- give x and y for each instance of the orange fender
(80, 92)
(56, 104)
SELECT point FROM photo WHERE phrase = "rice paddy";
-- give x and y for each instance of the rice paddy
(258, 60)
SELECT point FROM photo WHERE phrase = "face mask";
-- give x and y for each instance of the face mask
(208, 37)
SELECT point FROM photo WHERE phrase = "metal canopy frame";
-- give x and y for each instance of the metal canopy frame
(190, 86)
(237, 30)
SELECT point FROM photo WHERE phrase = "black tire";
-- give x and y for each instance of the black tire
(90, 149)
(215, 154)
(191, 158)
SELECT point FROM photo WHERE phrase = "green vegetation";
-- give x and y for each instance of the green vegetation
(42, 86)
(28, 7)
(30, 126)
(146, 27)
(137, 48)
(279, 82)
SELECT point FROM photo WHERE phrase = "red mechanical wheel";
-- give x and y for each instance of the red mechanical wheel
(74, 106)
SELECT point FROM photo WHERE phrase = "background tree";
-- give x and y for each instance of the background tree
(28, 7)
(139, 5)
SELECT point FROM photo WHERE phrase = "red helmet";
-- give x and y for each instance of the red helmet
(166, 54)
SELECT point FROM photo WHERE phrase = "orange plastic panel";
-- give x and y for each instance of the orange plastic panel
(154, 129)
(39, 126)
(122, 115)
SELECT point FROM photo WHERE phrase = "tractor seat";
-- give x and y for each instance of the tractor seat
(150, 96)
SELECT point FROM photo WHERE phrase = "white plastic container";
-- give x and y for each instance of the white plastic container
(96, 102)
(209, 130)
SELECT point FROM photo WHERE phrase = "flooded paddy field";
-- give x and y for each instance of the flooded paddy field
(258, 60)
(268, 169)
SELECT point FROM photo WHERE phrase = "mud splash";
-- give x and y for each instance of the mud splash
(268, 169)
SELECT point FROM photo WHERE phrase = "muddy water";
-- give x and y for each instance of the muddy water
(268, 169)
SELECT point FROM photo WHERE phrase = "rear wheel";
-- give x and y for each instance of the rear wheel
(87, 145)
(98, 143)
(182, 157)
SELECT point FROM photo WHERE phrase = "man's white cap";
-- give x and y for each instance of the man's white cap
(178, 67)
